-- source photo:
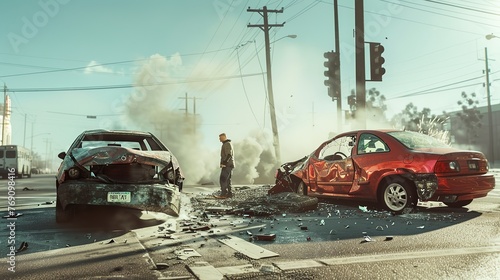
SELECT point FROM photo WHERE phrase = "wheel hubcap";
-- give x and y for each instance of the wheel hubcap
(395, 197)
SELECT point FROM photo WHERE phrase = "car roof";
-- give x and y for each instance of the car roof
(386, 130)
(107, 131)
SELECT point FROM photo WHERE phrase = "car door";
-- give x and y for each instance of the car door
(332, 167)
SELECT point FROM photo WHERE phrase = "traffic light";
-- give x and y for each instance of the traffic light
(332, 64)
(351, 101)
(376, 61)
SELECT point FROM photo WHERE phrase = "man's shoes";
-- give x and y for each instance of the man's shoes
(222, 196)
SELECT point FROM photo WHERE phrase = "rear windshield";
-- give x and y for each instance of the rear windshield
(415, 140)
(10, 154)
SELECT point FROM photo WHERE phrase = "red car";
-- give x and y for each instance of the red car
(390, 167)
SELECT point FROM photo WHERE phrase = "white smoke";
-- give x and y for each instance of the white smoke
(148, 108)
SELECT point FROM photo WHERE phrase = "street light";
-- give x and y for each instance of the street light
(491, 36)
(293, 36)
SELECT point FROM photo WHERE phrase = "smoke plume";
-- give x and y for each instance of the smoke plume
(148, 108)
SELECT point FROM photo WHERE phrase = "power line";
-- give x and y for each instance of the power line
(432, 90)
(441, 14)
(107, 87)
(462, 7)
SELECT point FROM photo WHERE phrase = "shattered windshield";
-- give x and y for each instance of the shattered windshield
(415, 140)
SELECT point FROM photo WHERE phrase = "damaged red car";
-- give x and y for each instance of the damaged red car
(392, 168)
(118, 168)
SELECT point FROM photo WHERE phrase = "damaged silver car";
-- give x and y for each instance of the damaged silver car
(118, 168)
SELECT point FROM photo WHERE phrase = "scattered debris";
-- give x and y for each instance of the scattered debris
(367, 238)
(265, 237)
(389, 238)
(22, 247)
(185, 253)
(111, 241)
(161, 266)
(421, 227)
(13, 215)
(364, 209)
(381, 228)
(267, 268)
(27, 189)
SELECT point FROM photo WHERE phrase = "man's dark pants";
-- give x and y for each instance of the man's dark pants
(225, 180)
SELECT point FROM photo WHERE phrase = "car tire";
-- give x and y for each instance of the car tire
(62, 215)
(301, 188)
(458, 204)
(398, 195)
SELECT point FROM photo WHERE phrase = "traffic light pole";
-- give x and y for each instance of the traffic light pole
(337, 49)
(360, 64)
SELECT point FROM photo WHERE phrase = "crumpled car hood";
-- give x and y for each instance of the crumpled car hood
(115, 155)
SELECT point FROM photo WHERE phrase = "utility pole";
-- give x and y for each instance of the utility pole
(186, 98)
(4, 112)
(337, 49)
(24, 138)
(360, 64)
(266, 27)
(490, 114)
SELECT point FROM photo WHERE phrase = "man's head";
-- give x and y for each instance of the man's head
(222, 137)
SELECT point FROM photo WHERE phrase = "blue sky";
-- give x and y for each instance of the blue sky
(53, 52)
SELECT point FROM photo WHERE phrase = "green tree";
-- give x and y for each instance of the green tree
(375, 105)
(470, 117)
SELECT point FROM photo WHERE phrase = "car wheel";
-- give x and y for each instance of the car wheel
(399, 196)
(458, 204)
(63, 216)
(301, 189)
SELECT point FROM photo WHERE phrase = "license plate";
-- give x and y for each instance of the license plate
(118, 196)
(472, 165)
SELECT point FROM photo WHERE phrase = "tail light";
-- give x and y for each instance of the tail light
(447, 166)
(74, 173)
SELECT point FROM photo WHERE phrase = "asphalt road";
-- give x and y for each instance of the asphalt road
(329, 243)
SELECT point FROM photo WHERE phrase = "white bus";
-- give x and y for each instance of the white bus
(17, 158)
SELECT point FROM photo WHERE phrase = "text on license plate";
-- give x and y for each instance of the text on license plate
(472, 165)
(118, 196)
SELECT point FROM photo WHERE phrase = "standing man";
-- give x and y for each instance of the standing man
(226, 165)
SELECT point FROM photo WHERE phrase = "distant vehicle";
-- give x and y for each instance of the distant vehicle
(390, 167)
(15, 158)
(119, 168)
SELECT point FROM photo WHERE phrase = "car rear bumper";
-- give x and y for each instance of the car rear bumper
(151, 197)
(458, 188)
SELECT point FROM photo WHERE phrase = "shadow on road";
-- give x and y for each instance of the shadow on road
(37, 227)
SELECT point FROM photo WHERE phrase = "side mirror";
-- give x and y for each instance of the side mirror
(61, 155)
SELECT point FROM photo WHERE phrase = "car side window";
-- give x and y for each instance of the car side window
(369, 143)
(337, 150)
